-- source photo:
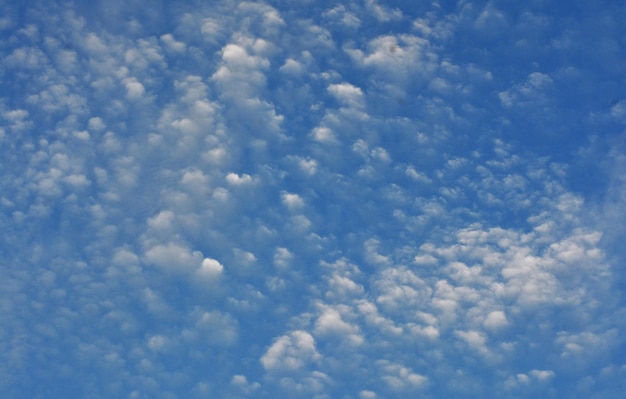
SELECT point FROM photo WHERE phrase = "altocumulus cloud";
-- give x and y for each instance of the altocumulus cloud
(294, 199)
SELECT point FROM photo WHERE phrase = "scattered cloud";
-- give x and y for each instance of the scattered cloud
(359, 200)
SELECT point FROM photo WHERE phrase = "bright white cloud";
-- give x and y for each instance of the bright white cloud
(238, 180)
(291, 352)
(210, 268)
(348, 94)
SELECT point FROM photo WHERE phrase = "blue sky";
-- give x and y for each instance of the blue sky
(312, 199)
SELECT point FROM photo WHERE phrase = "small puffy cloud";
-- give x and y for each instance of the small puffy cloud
(213, 328)
(210, 268)
(579, 348)
(532, 377)
(134, 89)
(268, 16)
(425, 260)
(400, 287)
(238, 180)
(194, 178)
(542, 375)
(372, 255)
(339, 14)
(496, 320)
(158, 342)
(173, 257)
(292, 201)
(417, 176)
(533, 90)
(331, 324)
(282, 258)
(299, 223)
(96, 124)
(398, 59)
(323, 134)
(77, 180)
(215, 156)
(399, 377)
(347, 93)
(474, 339)
(374, 318)
(237, 56)
(382, 13)
(342, 287)
(241, 382)
(171, 44)
(210, 27)
(162, 221)
(367, 395)
(292, 67)
(491, 20)
(125, 257)
(429, 332)
(291, 352)
(309, 166)
(155, 304)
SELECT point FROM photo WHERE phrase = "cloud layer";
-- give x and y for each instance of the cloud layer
(359, 200)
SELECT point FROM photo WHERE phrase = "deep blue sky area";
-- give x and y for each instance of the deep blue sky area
(312, 199)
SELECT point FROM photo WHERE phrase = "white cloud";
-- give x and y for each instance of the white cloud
(330, 323)
(400, 287)
(172, 257)
(291, 352)
(323, 134)
(238, 180)
(347, 93)
(397, 59)
(210, 268)
(542, 375)
(390, 230)
(292, 67)
(292, 201)
(496, 320)
(367, 395)
(134, 89)
(343, 16)
(476, 340)
(382, 13)
(282, 258)
(532, 90)
(242, 382)
(308, 165)
(342, 287)
(399, 377)
(172, 44)
(213, 328)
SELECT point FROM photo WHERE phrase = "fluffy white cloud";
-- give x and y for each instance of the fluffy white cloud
(398, 377)
(349, 94)
(330, 323)
(173, 257)
(292, 201)
(238, 180)
(210, 268)
(291, 352)
(496, 320)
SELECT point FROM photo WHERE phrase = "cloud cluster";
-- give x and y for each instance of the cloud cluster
(305, 200)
